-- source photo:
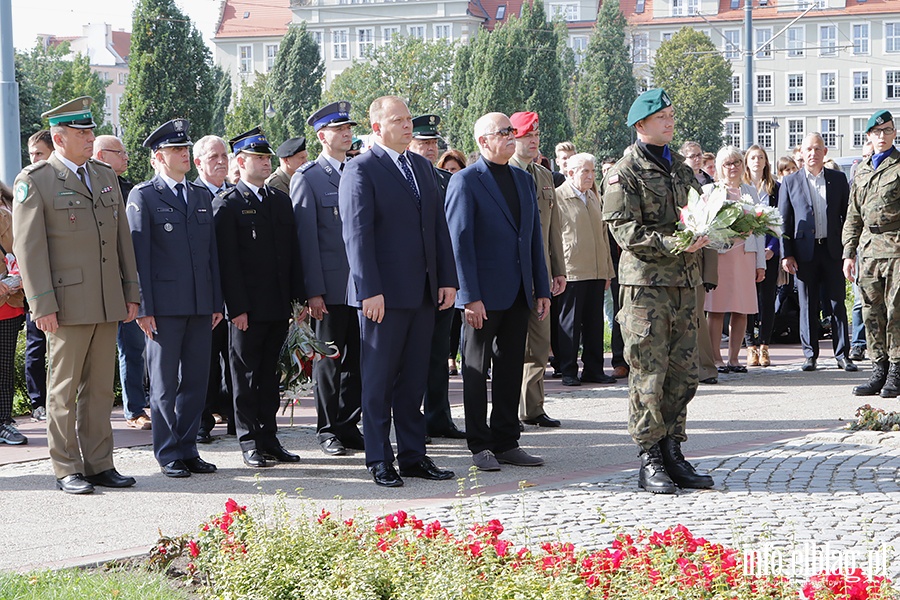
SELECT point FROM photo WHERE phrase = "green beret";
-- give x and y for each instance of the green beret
(879, 118)
(651, 101)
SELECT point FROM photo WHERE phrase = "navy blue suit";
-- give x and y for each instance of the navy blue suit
(314, 193)
(501, 263)
(819, 263)
(399, 248)
(178, 271)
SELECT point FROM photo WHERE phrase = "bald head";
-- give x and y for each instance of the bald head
(111, 150)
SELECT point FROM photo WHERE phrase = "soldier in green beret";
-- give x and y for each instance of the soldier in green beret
(643, 193)
(872, 233)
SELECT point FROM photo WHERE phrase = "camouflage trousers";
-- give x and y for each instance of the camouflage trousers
(879, 286)
(659, 326)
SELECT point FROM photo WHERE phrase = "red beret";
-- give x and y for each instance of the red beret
(524, 122)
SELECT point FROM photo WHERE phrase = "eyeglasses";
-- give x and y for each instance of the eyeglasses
(882, 132)
(505, 132)
(733, 164)
(117, 151)
(693, 156)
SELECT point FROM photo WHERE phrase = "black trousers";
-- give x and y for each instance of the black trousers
(219, 392)
(581, 323)
(437, 393)
(759, 326)
(338, 385)
(254, 375)
(9, 334)
(500, 346)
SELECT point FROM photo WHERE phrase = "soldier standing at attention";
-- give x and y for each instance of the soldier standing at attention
(78, 269)
(872, 231)
(291, 155)
(658, 292)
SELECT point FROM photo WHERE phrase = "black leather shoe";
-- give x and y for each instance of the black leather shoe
(876, 381)
(653, 476)
(679, 469)
(198, 465)
(570, 381)
(176, 468)
(809, 365)
(253, 458)
(846, 364)
(426, 469)
(204, 437)
(333, 447)
(601, 378)
(111, 478)
(74, 484)
(521, 427)
(354, 442)
(279, 454)
(857, 353)
(385, 475)
(453, 433)
(710, 380)
(543, 421)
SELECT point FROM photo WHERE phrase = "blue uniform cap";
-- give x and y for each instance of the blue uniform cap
(169, 134)
(251, 142)
(336, 113)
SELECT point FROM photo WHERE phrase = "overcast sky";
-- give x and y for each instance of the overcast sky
(65, 17)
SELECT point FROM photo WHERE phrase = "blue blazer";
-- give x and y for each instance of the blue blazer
(795, 205)
(175, 248)
(393, 244)
(495, 257)
(314, 193)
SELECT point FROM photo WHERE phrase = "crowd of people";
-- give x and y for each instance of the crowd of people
(404, 258)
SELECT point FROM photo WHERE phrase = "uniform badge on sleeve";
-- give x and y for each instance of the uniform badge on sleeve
(614, 178)
(21, 191)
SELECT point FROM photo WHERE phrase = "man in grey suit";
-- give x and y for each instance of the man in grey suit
(174, 238)
(314, 194)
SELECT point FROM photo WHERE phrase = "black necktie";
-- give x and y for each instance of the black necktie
(82, 175)
(262, 194)
(404, 165)
(179, 191)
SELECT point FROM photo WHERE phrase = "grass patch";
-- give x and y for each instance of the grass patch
(74, 584)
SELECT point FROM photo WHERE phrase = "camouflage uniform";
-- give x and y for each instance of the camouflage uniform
(872, 230)
(659, 293)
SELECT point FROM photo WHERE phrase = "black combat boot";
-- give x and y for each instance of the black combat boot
(680, 470)
(891, 388)
(653, 476)
(875, 382)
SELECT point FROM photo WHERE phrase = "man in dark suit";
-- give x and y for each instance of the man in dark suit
(314, 192)
(438, 421)
(401, 267)
(496, 230)
(813, 202)
(174, 239)
(211, 160)
(261, 276)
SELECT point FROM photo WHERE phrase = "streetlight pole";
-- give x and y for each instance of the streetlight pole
(10, 145)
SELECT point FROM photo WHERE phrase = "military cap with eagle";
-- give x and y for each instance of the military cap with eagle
(74, 113)
(171, 134)
(425, 127)
(336, 113)
(251, 142)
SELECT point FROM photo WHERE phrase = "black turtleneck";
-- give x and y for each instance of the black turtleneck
(656, 155)
(504, 178)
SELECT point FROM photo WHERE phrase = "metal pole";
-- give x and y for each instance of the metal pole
(10, 144)
(748, 74)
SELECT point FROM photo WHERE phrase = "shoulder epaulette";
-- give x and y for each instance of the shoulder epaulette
(142, 184)
(35, 166)
(307, 166)
(97, 161)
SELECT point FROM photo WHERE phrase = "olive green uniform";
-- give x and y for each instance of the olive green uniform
(280, 180)
(872, 231)
(658, 293)
(75, 253)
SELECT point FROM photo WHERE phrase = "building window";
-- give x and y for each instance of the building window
(861, 38)
(365, 41)
(795, 129)
(644, 84)
(796, 40)
(123, 78)
(829, 132)
(892, 85)
(317, 35)
(416, 31)
(732, 44)
(859, 132)
(579, 47)
(892, 37)
(764, 88)
(245, 59)
(389, 33)
(271, 51)
(796, 88)
(733, 134)
(860, 86)
(666, 36)
(735, 97)
(340, 44)
(442, 32)
(828, 86)
(827, 40)
(764, 134)
(640, 48)
(569, 11)
(763, 36)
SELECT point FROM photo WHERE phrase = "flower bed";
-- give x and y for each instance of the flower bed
(401, 557)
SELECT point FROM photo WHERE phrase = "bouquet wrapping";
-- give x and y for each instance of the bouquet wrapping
(724, 220)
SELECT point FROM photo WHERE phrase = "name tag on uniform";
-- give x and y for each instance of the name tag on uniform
(251, 211)
(66, 193)
(201, 210)
(331, 193)
(165, 210)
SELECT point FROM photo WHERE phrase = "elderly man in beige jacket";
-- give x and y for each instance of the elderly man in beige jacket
(589, 269)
